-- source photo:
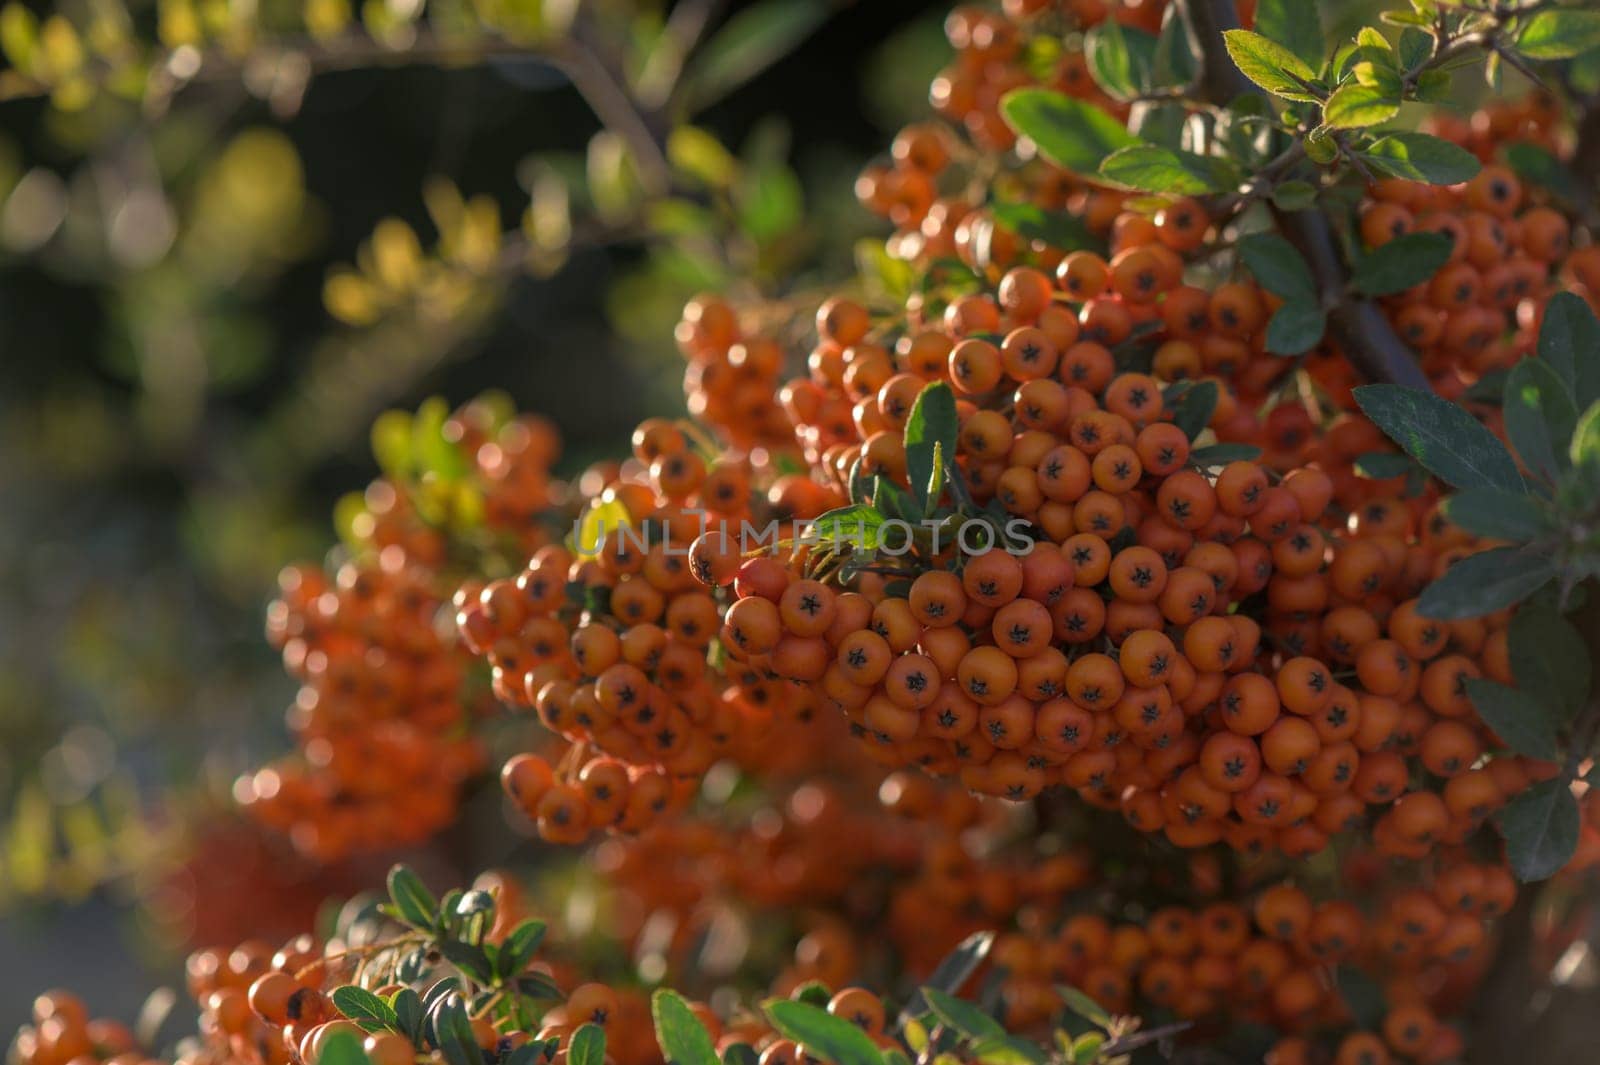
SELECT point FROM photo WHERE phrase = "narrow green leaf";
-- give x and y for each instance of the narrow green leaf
(1560, 33)
(1296, 328)
(1295, 24)
(407, 1006)
(1194, 406)
(1526, 725)
(1540, 417)
(1072, 133)
(1120, 58)
(1083, 1005)
(1270, 65)
(962, 1015)
(1278, 268)
(1497, 514)
(679, 1033)
(1357, 106)
(833, 1039)
(1549, 658)
(750, 41)
(1150, 168)
(1449, 442)
(1585, 449)
(1173, 63)
(1540, 827)
(952, 972)
(588, 1046)
(1421, 157)
(519, 948)
(1483, 583)
(1213, 455)
(1059, 229)
(1569, 340)
(1405, 261)
(365, 1008)
(413, 902)
(933, 418)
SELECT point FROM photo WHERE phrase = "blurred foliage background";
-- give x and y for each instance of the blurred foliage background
(222, 257)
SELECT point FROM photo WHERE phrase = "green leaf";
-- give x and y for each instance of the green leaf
(407, 1006)
(1294, 195)
(1384, 465)
(1549, 658)
(413, 903)
(769, 202)
(857, 524)
(1194, 406)
(1496, 514)
(1151, 168)
(1536, 166)
(933, 418)
(1006, 1049)
(1405, 261)
(1560, 33)
(750, 41)
(1449, 442)
(1540, 417)
(1421, 157)
(519, 948)
(1569, 340)
(1213, 455)
(342, 1048)
(833, 1039)
(953, 970)
(1278, 268)
(740, 1054)
(588, 1046)
(1296, 328)
(1416, 47)
(1541, 830)
(1295, 24)
(365, 1008)
(1483, 583)
(1083, 1005)
(1120, 58)
(1059, 229)
(1071, 133)
(681, 1036)
(470, 959)
(1362, 995)
(1585, 449)
(1270, 65)
(1526, 725)
(1357, 106)
(961, 1015)
(1173, 63)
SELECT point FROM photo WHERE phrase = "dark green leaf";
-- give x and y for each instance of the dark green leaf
(1213, 455)
(1194, 407)
(407, 1006)
(833, 1039)
(1560, 33)
(1536, 166)
(750, 41)
(1443, 436)
(1362, 995)
(953, 970)
(1421, 157)
(1270, 65)
(1357, 106)
(1294, 195)
(1278, 268)
(1569, 340)
(1295, 328)
(933, 418)
(961, 1015)
(365, 1008)
(1416, 47)
(519, 948)
(1549, 658)
(1173, 63)
(1496, 514)
(1071, 133)
(1483, 583)
(1150, 168)
(856, 524)
(1490, 388)
(1526, 725)
(342, 1048)
(1383, 465)
(588, 1046)
(1541, 830)
(681, 1036)
(813, 991)
(1403, 262)
(1295, 24)
(1120, 58)
(413, 903)
(1585, 449)
(740, 1054)
(1540, 417)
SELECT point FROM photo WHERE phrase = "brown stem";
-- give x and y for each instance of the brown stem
(1358, 326)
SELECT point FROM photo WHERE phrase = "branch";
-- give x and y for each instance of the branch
(1358, 326)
